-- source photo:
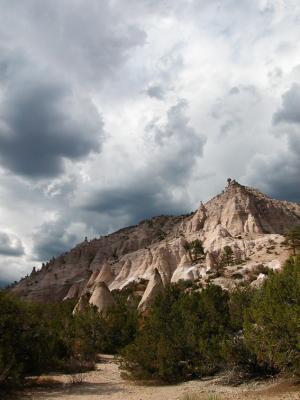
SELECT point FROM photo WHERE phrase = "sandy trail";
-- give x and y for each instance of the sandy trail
(107, 383)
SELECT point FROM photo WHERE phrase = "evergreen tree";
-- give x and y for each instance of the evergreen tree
(194, 249)
(197, 249)
(227, 257)
(292, 239)
(272, 323)
(182, 336)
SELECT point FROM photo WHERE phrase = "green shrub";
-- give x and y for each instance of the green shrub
(182, 336)
(272, 322)
(195, 250)
(37, 338)
(109, 333)
(292, 239)
(188, 333)
(34, 338)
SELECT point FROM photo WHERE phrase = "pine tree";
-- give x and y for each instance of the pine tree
(292, 239)
(227, 257)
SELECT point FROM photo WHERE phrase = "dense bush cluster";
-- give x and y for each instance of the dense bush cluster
(33, 338)
(37, 338)
(109, 333)
(188, 333)
(182, 337)
(272, 321)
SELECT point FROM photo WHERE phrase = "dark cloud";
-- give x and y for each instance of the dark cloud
(42, 124)
(136, 201)
(234, 90)
(279, 174)
(52, 239)
(290, 109)
(52, 56)
(85, 43)
(10, 245)
(283, 174)
(3, 283)
(156, 91)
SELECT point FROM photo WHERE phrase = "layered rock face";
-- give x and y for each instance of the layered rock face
(244, 219)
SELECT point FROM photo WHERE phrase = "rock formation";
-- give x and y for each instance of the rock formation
(82, 304)
(105, 274)
(73, 292)
(242, 218)
(155, 287)
(91, 280)
(101, 297)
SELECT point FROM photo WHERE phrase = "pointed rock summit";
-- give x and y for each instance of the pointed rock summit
(102, 297)
(154, 288)
(244, 210)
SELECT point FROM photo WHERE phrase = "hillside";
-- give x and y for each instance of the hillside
(243, 218)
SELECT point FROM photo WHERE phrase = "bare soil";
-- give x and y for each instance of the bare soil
(106, 382)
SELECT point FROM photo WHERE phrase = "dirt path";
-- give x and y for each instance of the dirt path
(106, 383)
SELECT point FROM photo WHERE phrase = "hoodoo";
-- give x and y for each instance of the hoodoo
(73, 292)
(154, 288)
(101, 297)
(105, 275)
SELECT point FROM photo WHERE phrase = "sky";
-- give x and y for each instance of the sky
(113, 111)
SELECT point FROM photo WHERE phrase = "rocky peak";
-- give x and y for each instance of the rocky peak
(243, 210)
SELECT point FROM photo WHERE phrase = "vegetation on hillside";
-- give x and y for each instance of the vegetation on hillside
(190, 332)
(195, 250)
(292, 239)
(38, 338)
(182, 337)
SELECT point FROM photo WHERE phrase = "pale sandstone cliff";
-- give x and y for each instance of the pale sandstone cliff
(248, 221)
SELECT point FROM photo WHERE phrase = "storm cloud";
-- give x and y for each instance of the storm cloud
(10, 245)
(113, 111)
(42, 125)
(136, 201)
(289, 112)
(83, 43)
(53, 56)
(51, 240)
